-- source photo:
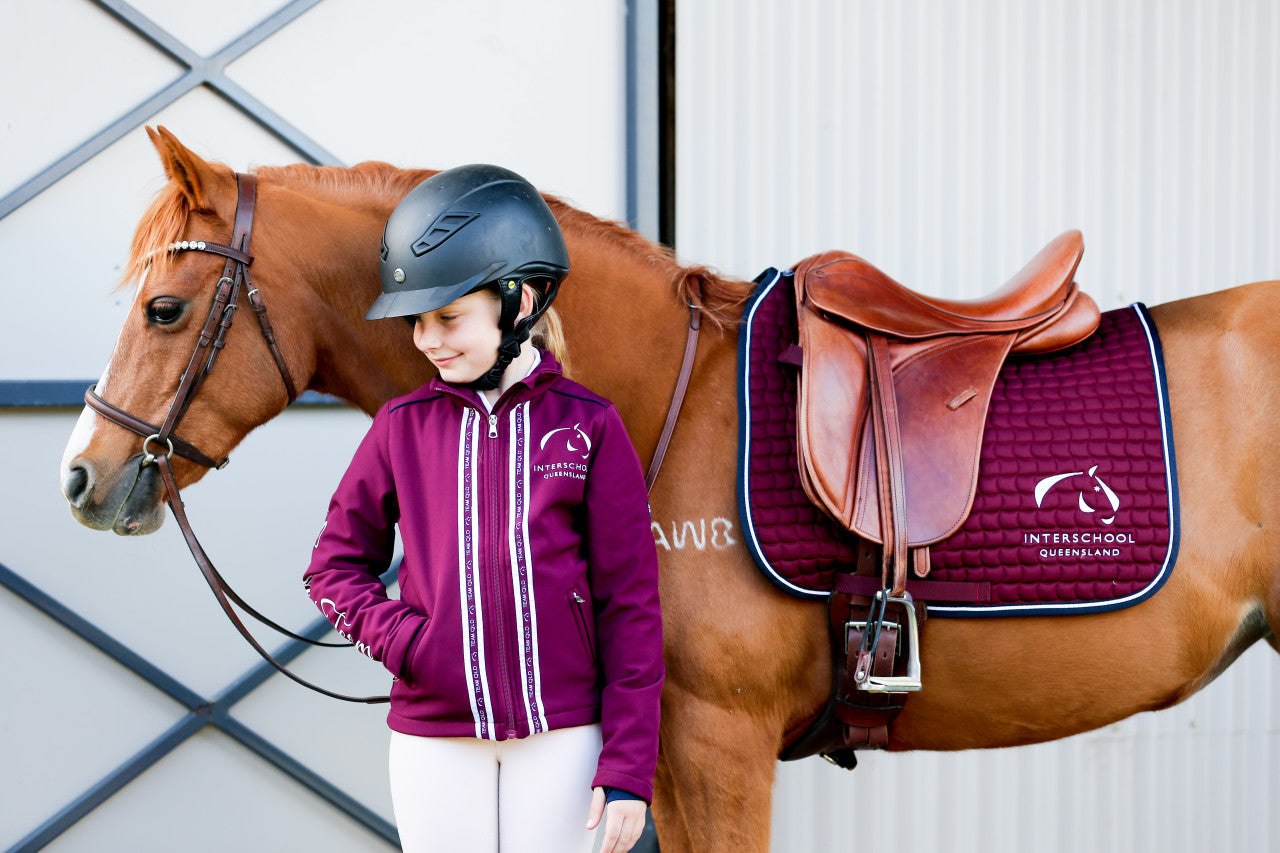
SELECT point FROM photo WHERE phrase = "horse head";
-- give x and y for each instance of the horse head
(105, 477)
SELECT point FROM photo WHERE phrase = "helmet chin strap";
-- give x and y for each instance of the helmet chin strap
(508, 349)
(514, 334)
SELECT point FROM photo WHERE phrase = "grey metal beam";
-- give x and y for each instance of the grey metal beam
(69, 393)
(99, 639)
(97, 143)
(200, 71)
(271, 121)
(305, 776)
(641, 130)
(69, 815)
(149, 30)
(201, 713)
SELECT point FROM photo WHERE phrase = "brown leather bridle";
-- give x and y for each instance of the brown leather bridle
(213, 337)
(161, 442)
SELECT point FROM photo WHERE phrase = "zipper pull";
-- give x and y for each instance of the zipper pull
(578, 599)
(493, 426)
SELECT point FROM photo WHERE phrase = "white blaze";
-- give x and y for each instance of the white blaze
(88, 422)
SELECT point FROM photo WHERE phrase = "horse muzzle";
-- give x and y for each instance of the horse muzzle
(129, 502)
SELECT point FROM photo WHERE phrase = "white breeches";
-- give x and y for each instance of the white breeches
(530, 795)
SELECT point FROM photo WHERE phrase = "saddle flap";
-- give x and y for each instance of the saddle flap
(831, 415)
(943, 389)
(935, 363)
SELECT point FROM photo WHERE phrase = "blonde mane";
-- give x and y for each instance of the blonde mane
(382, 185)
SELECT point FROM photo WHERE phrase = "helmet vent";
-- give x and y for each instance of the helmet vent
(445, 226)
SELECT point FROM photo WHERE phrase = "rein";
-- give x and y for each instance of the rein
(159, 443)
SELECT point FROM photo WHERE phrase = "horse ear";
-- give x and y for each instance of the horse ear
(204, 185)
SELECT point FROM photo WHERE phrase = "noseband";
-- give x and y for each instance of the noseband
(161, 442)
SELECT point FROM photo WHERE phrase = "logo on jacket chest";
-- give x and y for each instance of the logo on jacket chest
(565, 451)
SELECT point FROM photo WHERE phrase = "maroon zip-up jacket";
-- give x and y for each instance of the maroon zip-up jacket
(529, 583)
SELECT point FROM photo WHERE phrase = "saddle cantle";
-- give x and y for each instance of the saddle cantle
(894, 390)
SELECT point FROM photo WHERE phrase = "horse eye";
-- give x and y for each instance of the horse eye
(164, 310)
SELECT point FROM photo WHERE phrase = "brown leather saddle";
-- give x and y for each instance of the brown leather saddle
(892, 405)
(894, 390)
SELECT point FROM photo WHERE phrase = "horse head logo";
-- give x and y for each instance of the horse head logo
(1099, 490)
(575, 434)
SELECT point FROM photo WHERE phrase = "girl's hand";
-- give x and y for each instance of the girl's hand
(623, 822)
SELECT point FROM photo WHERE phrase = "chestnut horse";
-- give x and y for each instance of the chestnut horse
(745, 663)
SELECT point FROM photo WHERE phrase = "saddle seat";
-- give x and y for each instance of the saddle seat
(894, 389)
(862, 294)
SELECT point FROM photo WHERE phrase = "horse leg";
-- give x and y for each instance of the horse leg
(740, 672)
(713, 788)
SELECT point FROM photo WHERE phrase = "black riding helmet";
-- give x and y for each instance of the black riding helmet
(465, 229)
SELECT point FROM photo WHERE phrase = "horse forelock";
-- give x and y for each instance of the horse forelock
(163, 223)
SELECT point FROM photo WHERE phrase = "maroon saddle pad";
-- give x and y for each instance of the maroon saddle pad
(1076, 508)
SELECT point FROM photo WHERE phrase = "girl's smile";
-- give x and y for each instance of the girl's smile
(461, 339)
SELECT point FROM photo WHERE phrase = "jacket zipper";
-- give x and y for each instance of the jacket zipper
(497, 525)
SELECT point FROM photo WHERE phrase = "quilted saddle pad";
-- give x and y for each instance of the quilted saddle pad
(1076, 509)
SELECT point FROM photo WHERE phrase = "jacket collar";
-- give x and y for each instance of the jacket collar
(547, 370)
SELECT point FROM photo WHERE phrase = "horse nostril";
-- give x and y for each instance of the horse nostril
(76, 485)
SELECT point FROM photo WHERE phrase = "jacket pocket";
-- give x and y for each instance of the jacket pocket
(585, 620)
(408, 670)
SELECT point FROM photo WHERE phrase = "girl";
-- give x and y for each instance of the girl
(526, 643)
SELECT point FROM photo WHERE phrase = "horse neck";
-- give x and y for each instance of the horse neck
(373, 362)
(625, 320)
(364, 363)
(627, 324)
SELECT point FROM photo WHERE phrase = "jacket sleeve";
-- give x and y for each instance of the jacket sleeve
(354, 548)
(623, 566)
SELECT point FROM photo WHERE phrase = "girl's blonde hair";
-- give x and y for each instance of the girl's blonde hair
(548, 333)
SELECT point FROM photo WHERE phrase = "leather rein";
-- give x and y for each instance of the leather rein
(161, 442)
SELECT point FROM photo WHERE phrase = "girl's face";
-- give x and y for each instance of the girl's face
(461, 339)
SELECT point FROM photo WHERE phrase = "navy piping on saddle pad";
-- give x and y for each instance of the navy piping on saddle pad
(765, 283)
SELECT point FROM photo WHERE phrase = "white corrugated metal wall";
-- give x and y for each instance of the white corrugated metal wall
(946, 141)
